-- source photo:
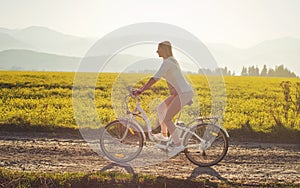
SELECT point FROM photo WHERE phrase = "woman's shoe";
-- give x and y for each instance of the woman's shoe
(160, 137)
(176, 150)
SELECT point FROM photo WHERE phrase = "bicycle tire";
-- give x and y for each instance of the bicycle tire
(117, 150)
(211, 155)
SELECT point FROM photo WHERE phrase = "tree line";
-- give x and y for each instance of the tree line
(279, 71)
(224, 71)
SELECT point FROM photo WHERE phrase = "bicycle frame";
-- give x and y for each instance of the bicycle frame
(185, 130)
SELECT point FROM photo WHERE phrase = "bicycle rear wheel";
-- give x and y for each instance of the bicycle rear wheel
(208, 151)
(121, 141)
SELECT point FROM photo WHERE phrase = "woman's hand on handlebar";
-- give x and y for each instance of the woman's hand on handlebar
(136, 92)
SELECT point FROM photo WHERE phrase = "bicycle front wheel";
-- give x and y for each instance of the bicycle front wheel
(210, 149)
(121, 141)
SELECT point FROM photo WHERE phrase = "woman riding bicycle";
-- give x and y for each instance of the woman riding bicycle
(181, 93)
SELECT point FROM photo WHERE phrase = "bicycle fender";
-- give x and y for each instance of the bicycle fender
(221, 127)
(217, 125)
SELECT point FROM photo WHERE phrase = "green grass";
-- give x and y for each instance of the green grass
(108, 179)
(100, 179)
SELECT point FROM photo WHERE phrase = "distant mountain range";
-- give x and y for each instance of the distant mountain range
(36, 61)
(282, 51)
(40, 48)
(43, 39)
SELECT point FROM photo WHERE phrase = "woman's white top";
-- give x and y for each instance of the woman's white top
(170, 70)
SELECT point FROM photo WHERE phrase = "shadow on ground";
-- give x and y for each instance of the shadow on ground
(191, 181)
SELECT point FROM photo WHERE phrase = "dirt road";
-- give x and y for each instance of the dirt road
(246, 163)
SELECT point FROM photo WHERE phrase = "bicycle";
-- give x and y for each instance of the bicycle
(205, 141)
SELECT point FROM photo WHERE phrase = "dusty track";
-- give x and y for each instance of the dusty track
(246, 163)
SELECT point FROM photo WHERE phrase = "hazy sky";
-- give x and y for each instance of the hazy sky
(241, 23)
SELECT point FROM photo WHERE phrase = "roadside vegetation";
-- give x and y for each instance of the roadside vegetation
(13, 179)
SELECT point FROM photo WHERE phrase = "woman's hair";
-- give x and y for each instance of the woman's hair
(166, 45)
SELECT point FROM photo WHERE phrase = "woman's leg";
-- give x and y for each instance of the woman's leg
(173, 109)
(162, 109)
(177, 103)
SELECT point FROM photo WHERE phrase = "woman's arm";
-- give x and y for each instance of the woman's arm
(146, 86)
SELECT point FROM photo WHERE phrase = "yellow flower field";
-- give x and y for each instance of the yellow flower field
(44, 99)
